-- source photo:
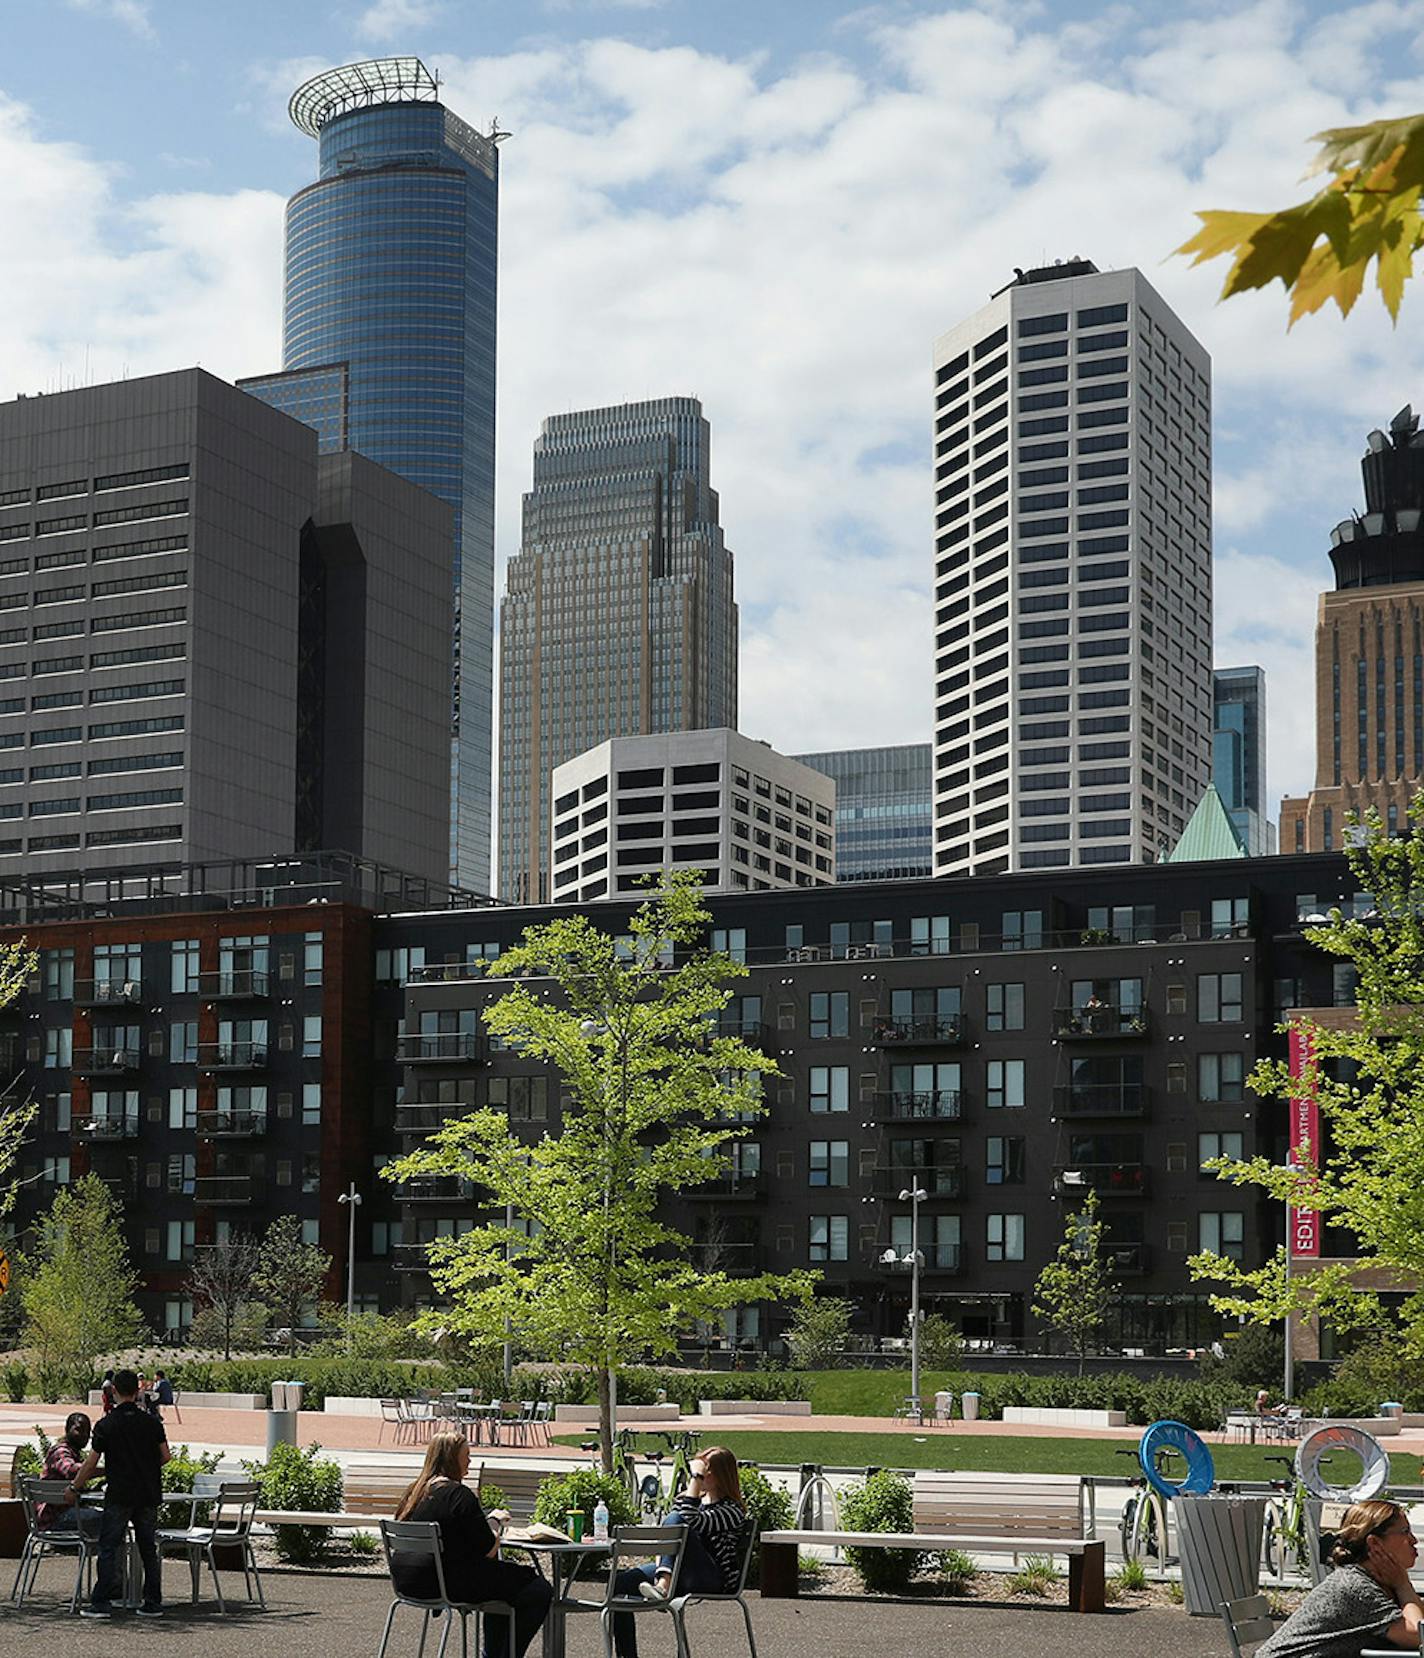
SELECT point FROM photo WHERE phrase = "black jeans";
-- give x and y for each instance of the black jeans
(529, 1595)
(699, 1571)
(113, 1530)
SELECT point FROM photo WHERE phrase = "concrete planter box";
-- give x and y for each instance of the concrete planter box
(202, 1401)
(1380, 1426)
(1030, 1417)
(582, 1415)
(338, 1404)
(753, 1407)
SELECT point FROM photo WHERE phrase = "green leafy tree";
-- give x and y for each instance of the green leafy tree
(220, 1283)
(290, 1274)
(817, 1332)
(1075, 1291)
(592, 1274)
(1367, 213)
(1368, 1080)
(78, 1287)
(18, 963)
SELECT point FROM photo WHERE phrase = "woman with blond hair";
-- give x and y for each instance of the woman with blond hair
(1367, 1599)
(711, 1511)
(469, 1550)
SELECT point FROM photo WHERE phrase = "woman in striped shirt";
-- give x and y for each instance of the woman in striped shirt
(711, 1511)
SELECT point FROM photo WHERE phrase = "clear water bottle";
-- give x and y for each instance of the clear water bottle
(600, 1522)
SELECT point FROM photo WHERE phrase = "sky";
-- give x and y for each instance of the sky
(775, 208)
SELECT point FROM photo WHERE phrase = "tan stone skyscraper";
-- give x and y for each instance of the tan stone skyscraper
(618, 616)
(1369, 654)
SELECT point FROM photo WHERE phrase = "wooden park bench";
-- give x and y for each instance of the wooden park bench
(1008, 1514)
(370, 1493)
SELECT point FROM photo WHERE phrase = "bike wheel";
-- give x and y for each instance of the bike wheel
(1126, 1528)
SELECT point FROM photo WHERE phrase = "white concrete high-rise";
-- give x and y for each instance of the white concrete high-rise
(1073, 684)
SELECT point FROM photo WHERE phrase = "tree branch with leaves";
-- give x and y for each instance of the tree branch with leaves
(1076, 1289)
(222, 1280)
(1322, 249)
(591, 1272)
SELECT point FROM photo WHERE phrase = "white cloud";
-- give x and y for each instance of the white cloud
(786, 244)
(132, 14)
(388, 20)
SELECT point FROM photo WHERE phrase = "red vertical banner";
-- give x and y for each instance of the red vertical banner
(1303, 1225)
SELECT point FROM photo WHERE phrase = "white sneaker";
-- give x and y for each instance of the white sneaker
(650, 1591)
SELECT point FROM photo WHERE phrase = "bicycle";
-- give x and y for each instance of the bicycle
(655, 1494)
(1143, 1526)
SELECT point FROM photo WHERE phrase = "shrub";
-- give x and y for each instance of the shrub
(885, 1502)
(363, 1543)
(294, 1479)
(958, 1571)
(491, 1496)
(1035, 1577)
(1132, 1574)
(179, 1473)
(16, 1379)
(53, 1382)
(1175, 1592)
(810, 1566)
(768, 1507)
(941, 1345)
(818, 1331)
(1252, 1359)
(581, 1489)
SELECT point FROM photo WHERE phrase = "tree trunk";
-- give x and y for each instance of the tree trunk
(605, 1417)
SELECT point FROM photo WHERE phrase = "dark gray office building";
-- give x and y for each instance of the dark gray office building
(215, 643)
(884, 810)
(1238, 754)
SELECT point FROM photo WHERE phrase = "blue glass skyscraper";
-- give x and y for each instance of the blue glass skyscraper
(389, 346)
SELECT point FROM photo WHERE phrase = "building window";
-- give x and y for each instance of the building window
(1218, 998)
(183, 1107)
(1004, 1160)
(59, 1047)
(1004, 1238)
(1221, 1077)
(1222, 1233)
(1211, 1145)
(929, 935)
(829, 1163)
(183, 980)
(311, 1036)
(1022, 930)
(1004, 1084)
(730, 941)
(828, 1238)
(311, 1104)
(183, 1042)
(830, 1088)
(1005, 1007)
(313, 953)
(59, 975)
(830, 1014)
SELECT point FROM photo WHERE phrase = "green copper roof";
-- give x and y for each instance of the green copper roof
(1209, 833)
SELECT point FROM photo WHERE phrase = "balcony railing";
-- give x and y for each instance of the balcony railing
(441, 1048)
(755, 1032)
(1106, 1179)
(921, 1105)
(219, 1189)
(231, 1125)
(108, 992)
(890, 1180)
(1074, 1024)
(235, 984)
(436, 1189)
(941, 1258)
(1100, 1099)
(98, 1126)
(946, 1028)
(425, 1118)
(446, 972)
(105, 1061)
(232, 1056)
(729, 1187)
(1129, 1258)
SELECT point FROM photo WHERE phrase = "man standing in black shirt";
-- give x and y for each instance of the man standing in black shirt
(134, 1448)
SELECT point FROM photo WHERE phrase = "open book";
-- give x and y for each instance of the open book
(534, 1532)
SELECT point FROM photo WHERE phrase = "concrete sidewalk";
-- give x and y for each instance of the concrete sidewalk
(326, 1615)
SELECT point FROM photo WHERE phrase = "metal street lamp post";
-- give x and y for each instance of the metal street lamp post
(352, 1199)
(914, 1260)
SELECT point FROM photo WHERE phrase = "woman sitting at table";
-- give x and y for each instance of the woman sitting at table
(63, 1461)
(1367, 1601)
(711, 1511)
(469, 1550)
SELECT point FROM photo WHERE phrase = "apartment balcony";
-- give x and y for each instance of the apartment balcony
(446, 1188)
(98, 1126)
(106, 1062)
(410, 1257)
(122, 1187)
(236, 984)
(447, 972)
(944, 1031)
(231, 1125)
(1088, 1024)
(232, 1056)
(889, 1181)
(942, 1260)
(756, 1033)
(108, 992)
(426, 1118)
(1130, 1259)
(223, 1190)
(1106, 1179)
(944, 1105)
(737, 1260)
(1101, 1099)
(730, 1188)
(441, 1048)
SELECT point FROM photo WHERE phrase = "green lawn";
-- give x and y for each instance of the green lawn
(995, 1453)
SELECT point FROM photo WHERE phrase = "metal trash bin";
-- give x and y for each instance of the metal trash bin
(943, 1405)
(296, 1395)
(1392, 1407)
(1220, 1545)
(970, 1402)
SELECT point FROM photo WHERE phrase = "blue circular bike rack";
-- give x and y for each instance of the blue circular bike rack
(1176, 1436)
